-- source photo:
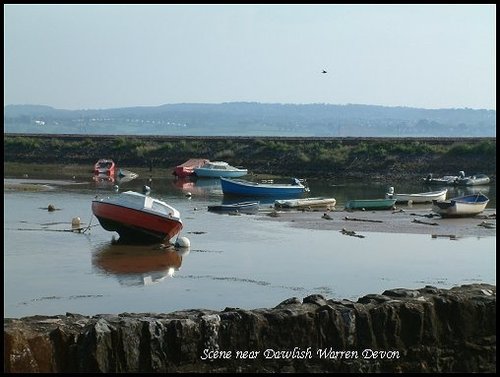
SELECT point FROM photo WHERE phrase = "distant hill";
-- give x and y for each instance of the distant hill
(254, 119)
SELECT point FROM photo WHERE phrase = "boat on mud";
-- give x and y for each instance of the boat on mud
(463, 206)
(422, 197)
(319, 202)
(240, 207)
(371, 204)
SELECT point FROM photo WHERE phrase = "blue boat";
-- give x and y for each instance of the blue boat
(248, 188)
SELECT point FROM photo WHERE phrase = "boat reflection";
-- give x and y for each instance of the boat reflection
(138, 264)
(199, 186)
(125, 176)
(455, 191)
(103, 181)
(467, 190)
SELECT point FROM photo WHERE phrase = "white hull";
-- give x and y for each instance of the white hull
(469, 205)
(306, 203)
(460, 209)
(216, 169)
(216, 173)
(424, 197)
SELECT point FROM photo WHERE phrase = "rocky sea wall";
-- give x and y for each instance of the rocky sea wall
(402, 330)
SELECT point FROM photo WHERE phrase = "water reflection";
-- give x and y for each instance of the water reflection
(199, 186)
(103, 182)
(467, 190)
(137, 264)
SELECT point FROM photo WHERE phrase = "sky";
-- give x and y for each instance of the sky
(111, 56)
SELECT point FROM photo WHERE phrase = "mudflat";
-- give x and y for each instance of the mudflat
(401, 220)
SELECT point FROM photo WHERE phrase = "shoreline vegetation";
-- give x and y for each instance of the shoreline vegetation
(368, 158)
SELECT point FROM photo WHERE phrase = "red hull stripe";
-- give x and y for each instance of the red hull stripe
(135, 218)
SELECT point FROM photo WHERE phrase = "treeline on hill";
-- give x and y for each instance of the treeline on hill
(314, 157)
(255, 119)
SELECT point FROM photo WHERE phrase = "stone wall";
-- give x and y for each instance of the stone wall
(401, 330)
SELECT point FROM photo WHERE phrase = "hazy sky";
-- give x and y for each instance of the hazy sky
(106, 56)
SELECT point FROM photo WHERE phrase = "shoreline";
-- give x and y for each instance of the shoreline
(337, 158)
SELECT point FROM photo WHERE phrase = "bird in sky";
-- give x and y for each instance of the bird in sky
(324, 71)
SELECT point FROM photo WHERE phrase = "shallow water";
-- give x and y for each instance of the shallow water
(234, 261)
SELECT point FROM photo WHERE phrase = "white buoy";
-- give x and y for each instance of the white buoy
(116, 188)
(182, 242)
(188, 194)
(76, 222)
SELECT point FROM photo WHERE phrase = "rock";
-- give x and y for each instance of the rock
(403, 330)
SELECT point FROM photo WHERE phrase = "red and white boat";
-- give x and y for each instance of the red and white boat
(187, 168)
(104, 167)
(137, 217)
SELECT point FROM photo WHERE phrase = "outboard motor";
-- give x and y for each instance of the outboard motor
(390, 193)
(146, 190)
(429, 177)
(461, 174)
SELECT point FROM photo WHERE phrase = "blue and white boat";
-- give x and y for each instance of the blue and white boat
(219, 169)
(463, 206)
(248, 188)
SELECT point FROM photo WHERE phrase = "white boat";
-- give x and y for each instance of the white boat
(219, 169)
(137, 217)
(463, 206)
(459, 180)
(422, 197)
(473, 180)
(319, 202)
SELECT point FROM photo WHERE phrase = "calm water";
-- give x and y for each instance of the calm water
(236, 261)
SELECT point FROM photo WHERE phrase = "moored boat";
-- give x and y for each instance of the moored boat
(241, 207)
(319, 202)
(137, 217)
(371, 204)
(248, 188)
(473, 180)
(187, 168)
(423, 197)
(445, 180)
(463, 206)
(219, 169)
(105, 167)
